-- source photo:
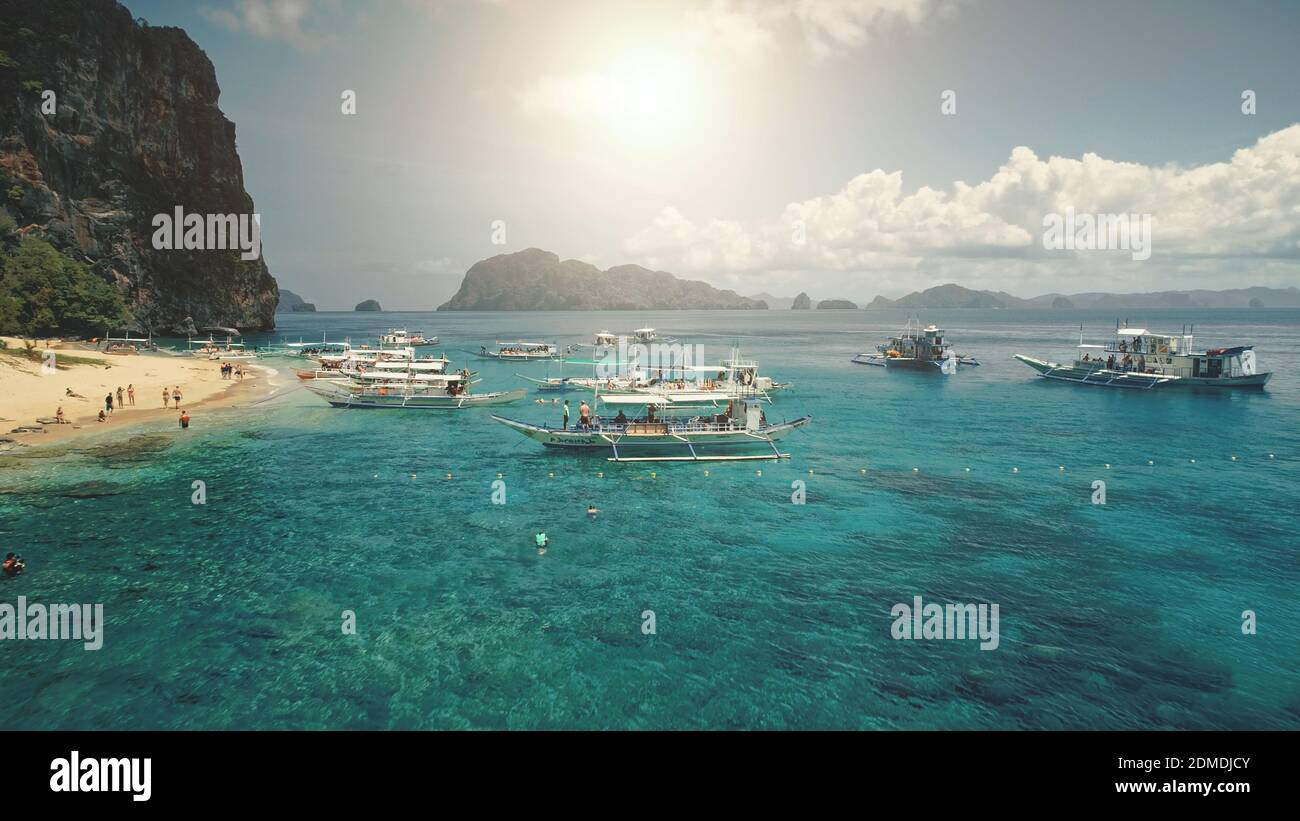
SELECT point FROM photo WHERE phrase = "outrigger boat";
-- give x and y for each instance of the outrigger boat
(520, 351)
(662, 436)
(447, 394)
(1139, 358)
(916, 348)
(212, 349)
(125, 345)
(402, 338)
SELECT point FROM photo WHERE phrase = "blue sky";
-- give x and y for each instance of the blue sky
(697, 135)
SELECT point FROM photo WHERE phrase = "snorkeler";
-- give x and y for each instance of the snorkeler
(592, 511)
(13, 565)
(542, 542)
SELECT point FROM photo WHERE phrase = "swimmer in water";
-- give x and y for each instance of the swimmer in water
(592, 511)
(542, 541)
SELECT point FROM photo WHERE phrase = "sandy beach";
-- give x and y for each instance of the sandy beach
(29, 392)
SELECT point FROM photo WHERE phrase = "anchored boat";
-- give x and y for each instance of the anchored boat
(520, 351)
(448, 395)
(660, 434)
(916, 348)
(1138, 358)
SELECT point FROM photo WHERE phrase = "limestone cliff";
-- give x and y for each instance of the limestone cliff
(135, 131)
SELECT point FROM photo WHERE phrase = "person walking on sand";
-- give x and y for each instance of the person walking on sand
(108, 403)
(130, 394)
(176, 395)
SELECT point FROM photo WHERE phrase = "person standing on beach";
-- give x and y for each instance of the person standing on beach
(176, 395)
(166, 396)
(108, 403)
(130, 394)
(121, 395)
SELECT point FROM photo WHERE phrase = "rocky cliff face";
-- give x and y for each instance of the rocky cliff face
(536, 280)
(135, 132)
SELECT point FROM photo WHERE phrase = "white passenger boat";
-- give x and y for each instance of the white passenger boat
(412, 396)
(1138, 358)
(917, 348)
(661, 434)
(402, 338)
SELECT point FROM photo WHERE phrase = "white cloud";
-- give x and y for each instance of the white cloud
(271, 20)
(750, 29)
(1207, 220)
(442, 265)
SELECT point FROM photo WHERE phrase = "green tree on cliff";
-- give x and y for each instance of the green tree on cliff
(43, 292)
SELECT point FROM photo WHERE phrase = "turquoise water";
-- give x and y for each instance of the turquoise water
(767, 614)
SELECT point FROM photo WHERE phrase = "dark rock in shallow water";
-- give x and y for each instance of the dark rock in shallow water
(137, 133)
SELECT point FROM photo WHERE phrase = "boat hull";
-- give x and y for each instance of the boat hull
(341, 397)
(1102, 377)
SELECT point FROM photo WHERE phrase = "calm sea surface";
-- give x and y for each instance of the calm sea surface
(767, 614)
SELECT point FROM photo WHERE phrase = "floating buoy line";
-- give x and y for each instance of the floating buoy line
(878, 469)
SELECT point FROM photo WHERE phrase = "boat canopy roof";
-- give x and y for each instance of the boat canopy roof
(1102, 347)
(1131, 332)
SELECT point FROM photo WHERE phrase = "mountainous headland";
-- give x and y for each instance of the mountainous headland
(106, 123)
(951, 296)
(292, 303)
(537, 280)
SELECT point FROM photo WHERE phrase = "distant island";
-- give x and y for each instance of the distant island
(803, 302)
(292, 303)
(776, 303)
(953, 296)
(368, 305)
(537, 280)
(836, 305)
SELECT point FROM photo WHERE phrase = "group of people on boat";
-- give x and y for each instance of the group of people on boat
(1126, 363)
